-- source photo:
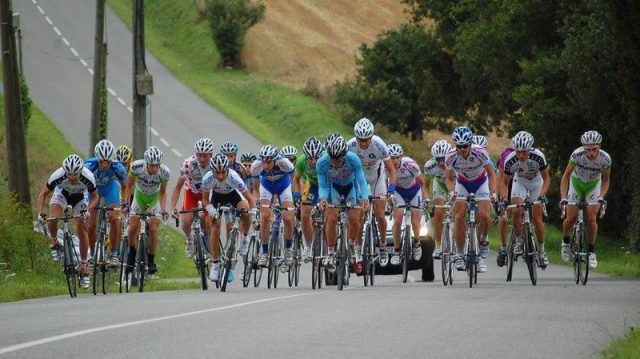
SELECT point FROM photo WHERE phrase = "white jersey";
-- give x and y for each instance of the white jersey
(468, 169)
(528, 170)
(59, 179)
(371, 157)
(145, 182)
(281, 168)
(587, 170)
(193, 174)
(432, 170)
(407, 174)
(233, 182)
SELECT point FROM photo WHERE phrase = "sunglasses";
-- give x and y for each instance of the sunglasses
(462, 146)
(440, 159)
(337, 160)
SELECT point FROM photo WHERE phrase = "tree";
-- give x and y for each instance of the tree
(229, 21)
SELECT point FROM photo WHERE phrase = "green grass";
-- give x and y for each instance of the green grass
(272, 113)
(626, 347)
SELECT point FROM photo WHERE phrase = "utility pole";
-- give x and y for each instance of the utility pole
(142, 82)
(99, 60)
(16, 147)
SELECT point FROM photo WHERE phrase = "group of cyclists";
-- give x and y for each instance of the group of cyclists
(329, 173)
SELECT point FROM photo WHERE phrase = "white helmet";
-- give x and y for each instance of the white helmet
(153, 156)
(268, 152)
(363, 128)
(395, 150)
(219, 163)
(228, 147)
(203, 145)
(72, 165)
(440, 148)
(591, 138)
(105, 151)
(312, 148)
(480, 141)
(522, 141)
(337, 148)
(289, 151)
(462, 136)
(248, 157)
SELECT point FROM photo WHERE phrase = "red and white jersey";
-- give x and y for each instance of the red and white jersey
(407, 174)
(193, 174)
(471, 168)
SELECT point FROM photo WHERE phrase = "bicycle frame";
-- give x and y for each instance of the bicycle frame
(471, 241)
(579, 245)
(530, 252)
(406, 245)
(70, 262)
(447, 246)
(200, 259)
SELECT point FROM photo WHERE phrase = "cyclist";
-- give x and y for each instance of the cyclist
(246, 159)
(306, 169)
(290, 153)
(481, 141)
(124, 155)
(230, 149)
(191, 173)
(503, 220)
(434, 171)
(341, 178)
(530, 172)
(468, 170)
(374, 155)
(409, 189)
(586, 178)
(70, 184)
(108, 174)
(148, 179)
(272, 177)
(224, 186)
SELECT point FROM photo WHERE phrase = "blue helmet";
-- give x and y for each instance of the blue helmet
(462, 136)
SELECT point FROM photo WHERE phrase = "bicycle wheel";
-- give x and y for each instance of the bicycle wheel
(98, 257)
(248, 261)
(529, 255)
(576, 251)
(510, 256)
(272, 268)
(445, 261)
(584, 272)
(257, 270)
(124, 250)
(201, 265)
(223, 279)
(472, 261)
(70, 271)
(142, 262)
(366, 255)
(406, 252)
(341, 259)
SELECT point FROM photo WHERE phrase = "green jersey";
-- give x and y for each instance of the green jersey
(304, 169)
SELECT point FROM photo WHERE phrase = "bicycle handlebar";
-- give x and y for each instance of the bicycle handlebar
(602, 209)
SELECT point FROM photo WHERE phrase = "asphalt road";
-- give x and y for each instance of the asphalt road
(58, 37)
(556, 318)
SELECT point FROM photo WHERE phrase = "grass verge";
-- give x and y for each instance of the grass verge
(626, 347)
(272, 113)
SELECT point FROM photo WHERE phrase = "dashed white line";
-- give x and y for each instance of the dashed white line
(121, 101)
(47, 19)
(113, 93)
(34, 2)
(73, 51)
(57, 31)
(130, 109)
(41, 11)
(164, 142)
(176, 152)
(66, 42)
(90, 71)
(84, 63)
(153, 130)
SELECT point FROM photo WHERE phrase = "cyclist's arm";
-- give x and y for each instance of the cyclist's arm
(323, 186)
(295, 185)
(247, 195)
(256, 187)
(604, 187)
(163, 196)
(423, 186)
(93, 201)
(427, 185)
(130, 183)
(362, 183)
(451, 180)
(503, 180)
(175, 194)
(41, 197)
(546, 181)
(492, 177)
(388, 164)
(564, 182)
(206, 194)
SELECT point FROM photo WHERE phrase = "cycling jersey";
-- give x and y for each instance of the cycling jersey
(192, 173)
(371, 157)
(59, 179)
(407, 174)
(107, 181)
(147, 183)
(436, 173)
(305, 170)
(277, 181)
(240, 170)
(471, 168)
(525, 170)
(331, 177)
(587, 170)
(233, 182)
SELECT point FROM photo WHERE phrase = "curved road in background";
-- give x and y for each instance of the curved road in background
(58, 37)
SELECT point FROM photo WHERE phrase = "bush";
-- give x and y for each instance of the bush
(20, 247)
(25, 101)
(229, 21)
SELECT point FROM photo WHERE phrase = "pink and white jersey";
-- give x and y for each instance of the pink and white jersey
(193, 174)
(503, 157)
(468, 169)
(233, 182)
(407, 174)
(371, 157)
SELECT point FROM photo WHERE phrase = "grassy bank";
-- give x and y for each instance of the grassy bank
(273, 113)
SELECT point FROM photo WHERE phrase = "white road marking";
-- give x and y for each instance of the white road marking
(122, 101)
(164, 142)
(90, 71)
(40, 9)
(176, 152)
(130, 109)
(113, 93)
(66, 42)
(55, 338)
(57, 31)
(153, 130)
(73, 51)
(84, 63)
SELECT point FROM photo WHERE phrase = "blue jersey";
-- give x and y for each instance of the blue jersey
(116, 172)
(350, 172)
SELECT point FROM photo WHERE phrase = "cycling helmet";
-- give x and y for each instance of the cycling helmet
(153, 156)
(268, 152)
(337, 148)
(289, 151)
(395, 150)
(248, 157)
(228, 147)
(363, 128)
(105, 151)
(72, 165)
(522, 141)
(330, 137)
(203, 145)
(123, 154)
(219, 163)
(462, 136)
(312, 148)
(480, 141)
(591, 138)
(440, 148)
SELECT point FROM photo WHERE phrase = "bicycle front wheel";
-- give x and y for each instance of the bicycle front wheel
(406, 252)
(584, 272)
(201, 265)
(142, 262)
(248, 262)
(70, 270)
(445, 261)
(510, 257)
(530, 252)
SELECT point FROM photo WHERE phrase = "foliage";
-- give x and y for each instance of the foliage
(20, 246)
(104, 116)
(25, 101)
(229, 21)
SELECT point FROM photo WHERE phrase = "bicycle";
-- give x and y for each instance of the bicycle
(294, 270)
(371, 238)
(342, 256)
(406, 244)
(201, 257)
(102, 268)
(124, 251)
(530, 250)
(319, 249)
(578, 244)
(140, 269)
(229, 258)
(472, 255)
(251, 259)
(447, 246)
(71, 262)
(276, 258)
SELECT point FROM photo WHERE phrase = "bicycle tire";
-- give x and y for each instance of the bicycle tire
(276, 272)
(585, 258)
(577, 257)
(472, 268)
(257, 270)
(445, 261)
(124, 249)
(406, 252)
(98, 258)
(366, 256)
(341, 259)
(142, 256)
(201, 266)
(529, 250)
(510, 257)
(69, 267)
(223, 279)
(247, 267)
(271, 269)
